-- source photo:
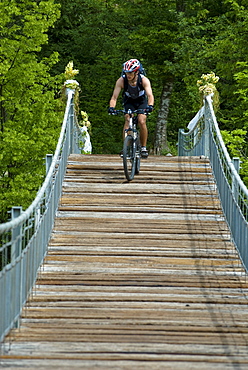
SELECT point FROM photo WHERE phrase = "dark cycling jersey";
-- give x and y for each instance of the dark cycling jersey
(133, 92)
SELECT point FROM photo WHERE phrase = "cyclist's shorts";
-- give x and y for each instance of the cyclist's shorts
(133, 104)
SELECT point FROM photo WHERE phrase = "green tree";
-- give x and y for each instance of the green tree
(91, 33)
(214, 39)
(30, 117)
(176, 40)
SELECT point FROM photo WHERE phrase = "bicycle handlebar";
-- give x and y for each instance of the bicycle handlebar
(130, 112)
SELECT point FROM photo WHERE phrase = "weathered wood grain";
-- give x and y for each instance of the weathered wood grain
(139, 275)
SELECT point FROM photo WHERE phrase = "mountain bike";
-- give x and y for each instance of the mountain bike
(131, 145)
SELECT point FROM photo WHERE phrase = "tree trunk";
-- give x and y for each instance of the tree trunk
(161, 127)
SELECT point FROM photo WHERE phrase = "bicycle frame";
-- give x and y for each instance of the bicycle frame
(132, 129)
(131, 145)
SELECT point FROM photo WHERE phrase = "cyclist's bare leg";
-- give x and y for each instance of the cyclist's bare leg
(143, 129)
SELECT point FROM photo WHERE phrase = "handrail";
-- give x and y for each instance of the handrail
(25, 215)
(224, 149)
(204, 139)
(24, 239)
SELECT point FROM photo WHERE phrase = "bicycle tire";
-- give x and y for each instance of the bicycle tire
(129, 158)
(138, 156)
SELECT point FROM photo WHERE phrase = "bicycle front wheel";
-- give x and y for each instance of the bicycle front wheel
(129, 159)
(138, 155)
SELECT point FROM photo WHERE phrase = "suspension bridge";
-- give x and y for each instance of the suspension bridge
(102, 273)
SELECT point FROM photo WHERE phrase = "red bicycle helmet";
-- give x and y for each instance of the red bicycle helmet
(132, 65)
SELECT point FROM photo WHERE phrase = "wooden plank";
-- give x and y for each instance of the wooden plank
(138, 275)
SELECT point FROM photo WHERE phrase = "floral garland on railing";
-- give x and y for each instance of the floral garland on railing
(85, 126)
(70, 72)
(71, 83)
(207, 86)
(83, 122)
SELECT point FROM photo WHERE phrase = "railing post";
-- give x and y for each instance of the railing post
(71, 118)
(16, 243)
(235, 190)
(206, 131)
(180, 142)
(71, 85)
(49, 158)
(236, 163)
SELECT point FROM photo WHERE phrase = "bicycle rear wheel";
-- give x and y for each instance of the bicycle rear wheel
(129, 159)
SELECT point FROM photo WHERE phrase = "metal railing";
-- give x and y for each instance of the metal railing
(204, 138)
(24, 239)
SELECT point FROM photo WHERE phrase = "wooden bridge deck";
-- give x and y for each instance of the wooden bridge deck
(138, 275)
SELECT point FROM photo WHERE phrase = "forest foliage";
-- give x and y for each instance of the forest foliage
(176, 40)
(30, 114)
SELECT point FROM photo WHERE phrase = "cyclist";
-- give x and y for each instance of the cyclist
(137, 94)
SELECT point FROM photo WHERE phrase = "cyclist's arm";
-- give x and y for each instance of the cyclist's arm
(148, 89)
(118, 86)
